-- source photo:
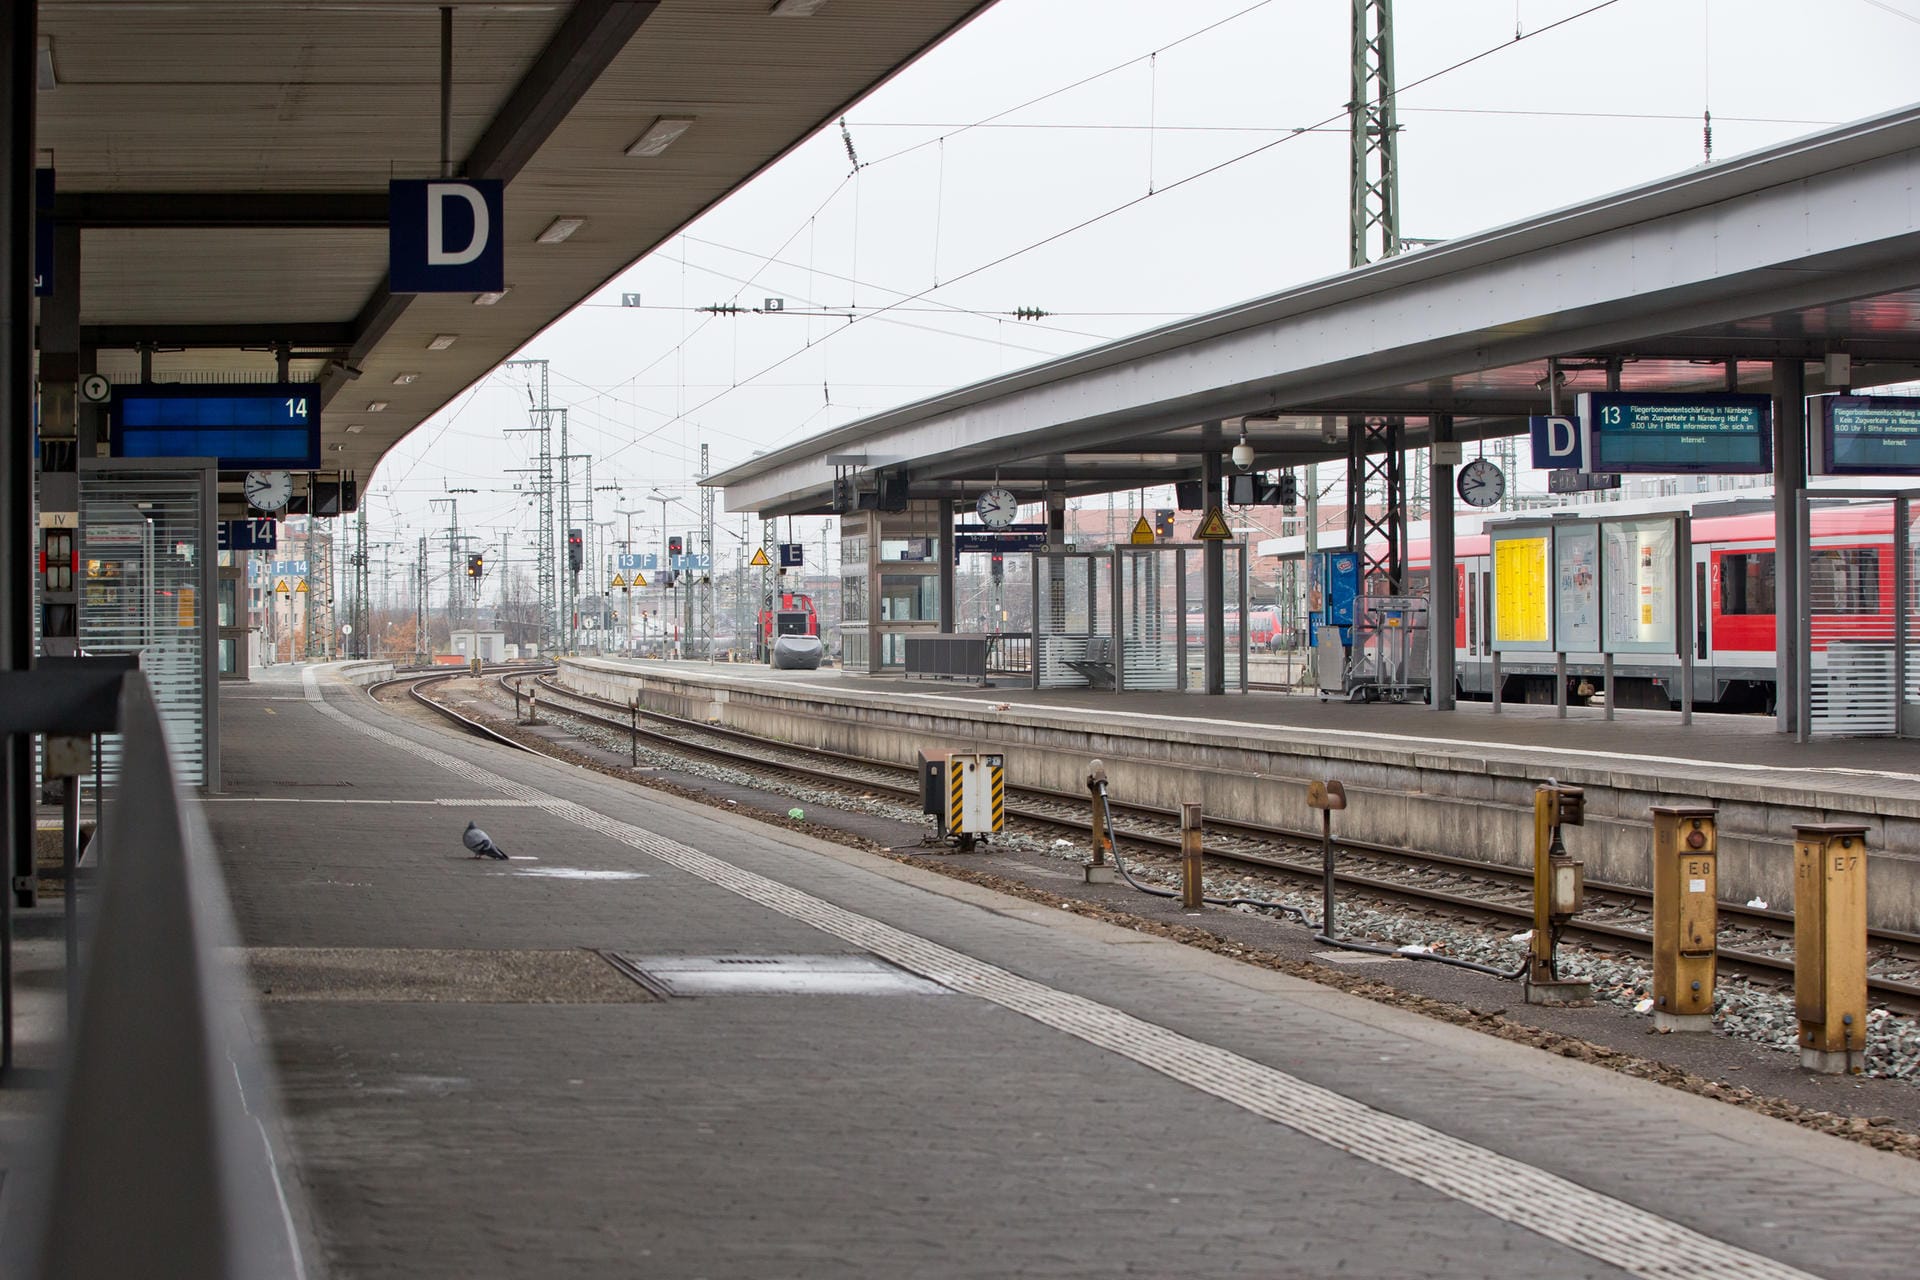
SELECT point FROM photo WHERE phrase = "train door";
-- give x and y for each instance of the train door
(1472, 652)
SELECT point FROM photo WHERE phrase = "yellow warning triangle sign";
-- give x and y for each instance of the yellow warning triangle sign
(618, 581)
(282, 588)
(302, 588)
(1142, 533)
(1213, 527)
(759, 560)
(639, 579)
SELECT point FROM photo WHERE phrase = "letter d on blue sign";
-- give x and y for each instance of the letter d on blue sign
(446, 235)
(1556, 444)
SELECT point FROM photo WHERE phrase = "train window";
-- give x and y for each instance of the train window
(1746, 583)
(1844, 580)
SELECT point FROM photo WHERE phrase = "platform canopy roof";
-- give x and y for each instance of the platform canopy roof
(227, 162)
(1804, 249)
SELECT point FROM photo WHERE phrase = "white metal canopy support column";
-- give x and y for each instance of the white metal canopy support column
(1789, 478)
(945, 551)
(1213, 578)
(1440, 611)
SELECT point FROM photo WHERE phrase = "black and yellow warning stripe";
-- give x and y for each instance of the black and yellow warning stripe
(956, 793)
(999, 796)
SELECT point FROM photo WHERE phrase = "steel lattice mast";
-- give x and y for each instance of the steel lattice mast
(1375, 446)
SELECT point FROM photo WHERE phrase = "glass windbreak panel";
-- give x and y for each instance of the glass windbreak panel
(229, 655)
(1072, 632)
(1845, 580)
(909, 597)
(229, 589)
(1853, 688)
(854, 649)
(141, 558)
(1907, 544)
(853, 597)
(1151, 628)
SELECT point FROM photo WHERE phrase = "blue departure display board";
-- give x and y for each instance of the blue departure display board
(1650, 432)
(252, 426)
(1868, 436)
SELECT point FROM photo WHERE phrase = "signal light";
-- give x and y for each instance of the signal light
(476, 565)
(576, 550)
(1163, 524)
(675, 545)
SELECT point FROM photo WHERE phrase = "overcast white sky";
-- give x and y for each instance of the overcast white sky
(1610, 99)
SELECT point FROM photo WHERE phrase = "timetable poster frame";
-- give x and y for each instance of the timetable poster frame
(1522, 561)
(1577, 589)
(1641, 585)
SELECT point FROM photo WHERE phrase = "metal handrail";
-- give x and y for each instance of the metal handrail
(161, 1157)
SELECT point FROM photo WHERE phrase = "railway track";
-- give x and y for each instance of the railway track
(1756, 941)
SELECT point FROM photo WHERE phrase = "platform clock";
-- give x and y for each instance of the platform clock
(1481, 483)
(997, 507)
(268, 490)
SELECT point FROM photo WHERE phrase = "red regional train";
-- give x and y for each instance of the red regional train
(1732, 576)
(787, 613)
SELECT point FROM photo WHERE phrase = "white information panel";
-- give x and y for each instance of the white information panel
(1638, 576)
(1576, 588)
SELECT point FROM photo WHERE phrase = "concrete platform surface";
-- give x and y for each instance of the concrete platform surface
(1076, 1100)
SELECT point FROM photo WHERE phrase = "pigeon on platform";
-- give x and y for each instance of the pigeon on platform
(481, 844)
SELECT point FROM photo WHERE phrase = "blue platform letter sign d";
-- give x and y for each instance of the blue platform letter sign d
(445, 235)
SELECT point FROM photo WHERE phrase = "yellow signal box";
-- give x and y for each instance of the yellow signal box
(1685, 916)
(1830, 945)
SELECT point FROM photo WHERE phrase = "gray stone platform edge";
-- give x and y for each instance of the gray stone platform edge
(1449, 803)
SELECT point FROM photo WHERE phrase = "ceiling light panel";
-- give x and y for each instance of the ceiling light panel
(661, 134)
(559, 229)
(441, 341)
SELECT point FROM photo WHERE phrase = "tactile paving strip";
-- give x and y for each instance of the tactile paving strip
(1615, 1232)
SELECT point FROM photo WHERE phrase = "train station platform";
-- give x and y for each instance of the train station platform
(1457, 781)
(952, 1083)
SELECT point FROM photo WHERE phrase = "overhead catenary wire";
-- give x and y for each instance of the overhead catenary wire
(1172, 186)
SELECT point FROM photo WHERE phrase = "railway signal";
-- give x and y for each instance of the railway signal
(576, 550)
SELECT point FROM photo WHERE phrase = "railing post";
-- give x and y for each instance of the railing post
(1190, 837)
(633, 731)
(1326, 797)
(1098, 872)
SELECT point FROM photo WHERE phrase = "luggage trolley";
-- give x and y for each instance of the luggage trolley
(1390, 659)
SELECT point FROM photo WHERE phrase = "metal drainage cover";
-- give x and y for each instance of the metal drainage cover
(843, 975)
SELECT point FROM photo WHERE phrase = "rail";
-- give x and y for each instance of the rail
(160, 1158)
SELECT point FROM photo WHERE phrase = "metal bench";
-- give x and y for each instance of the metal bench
(1097, 666)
